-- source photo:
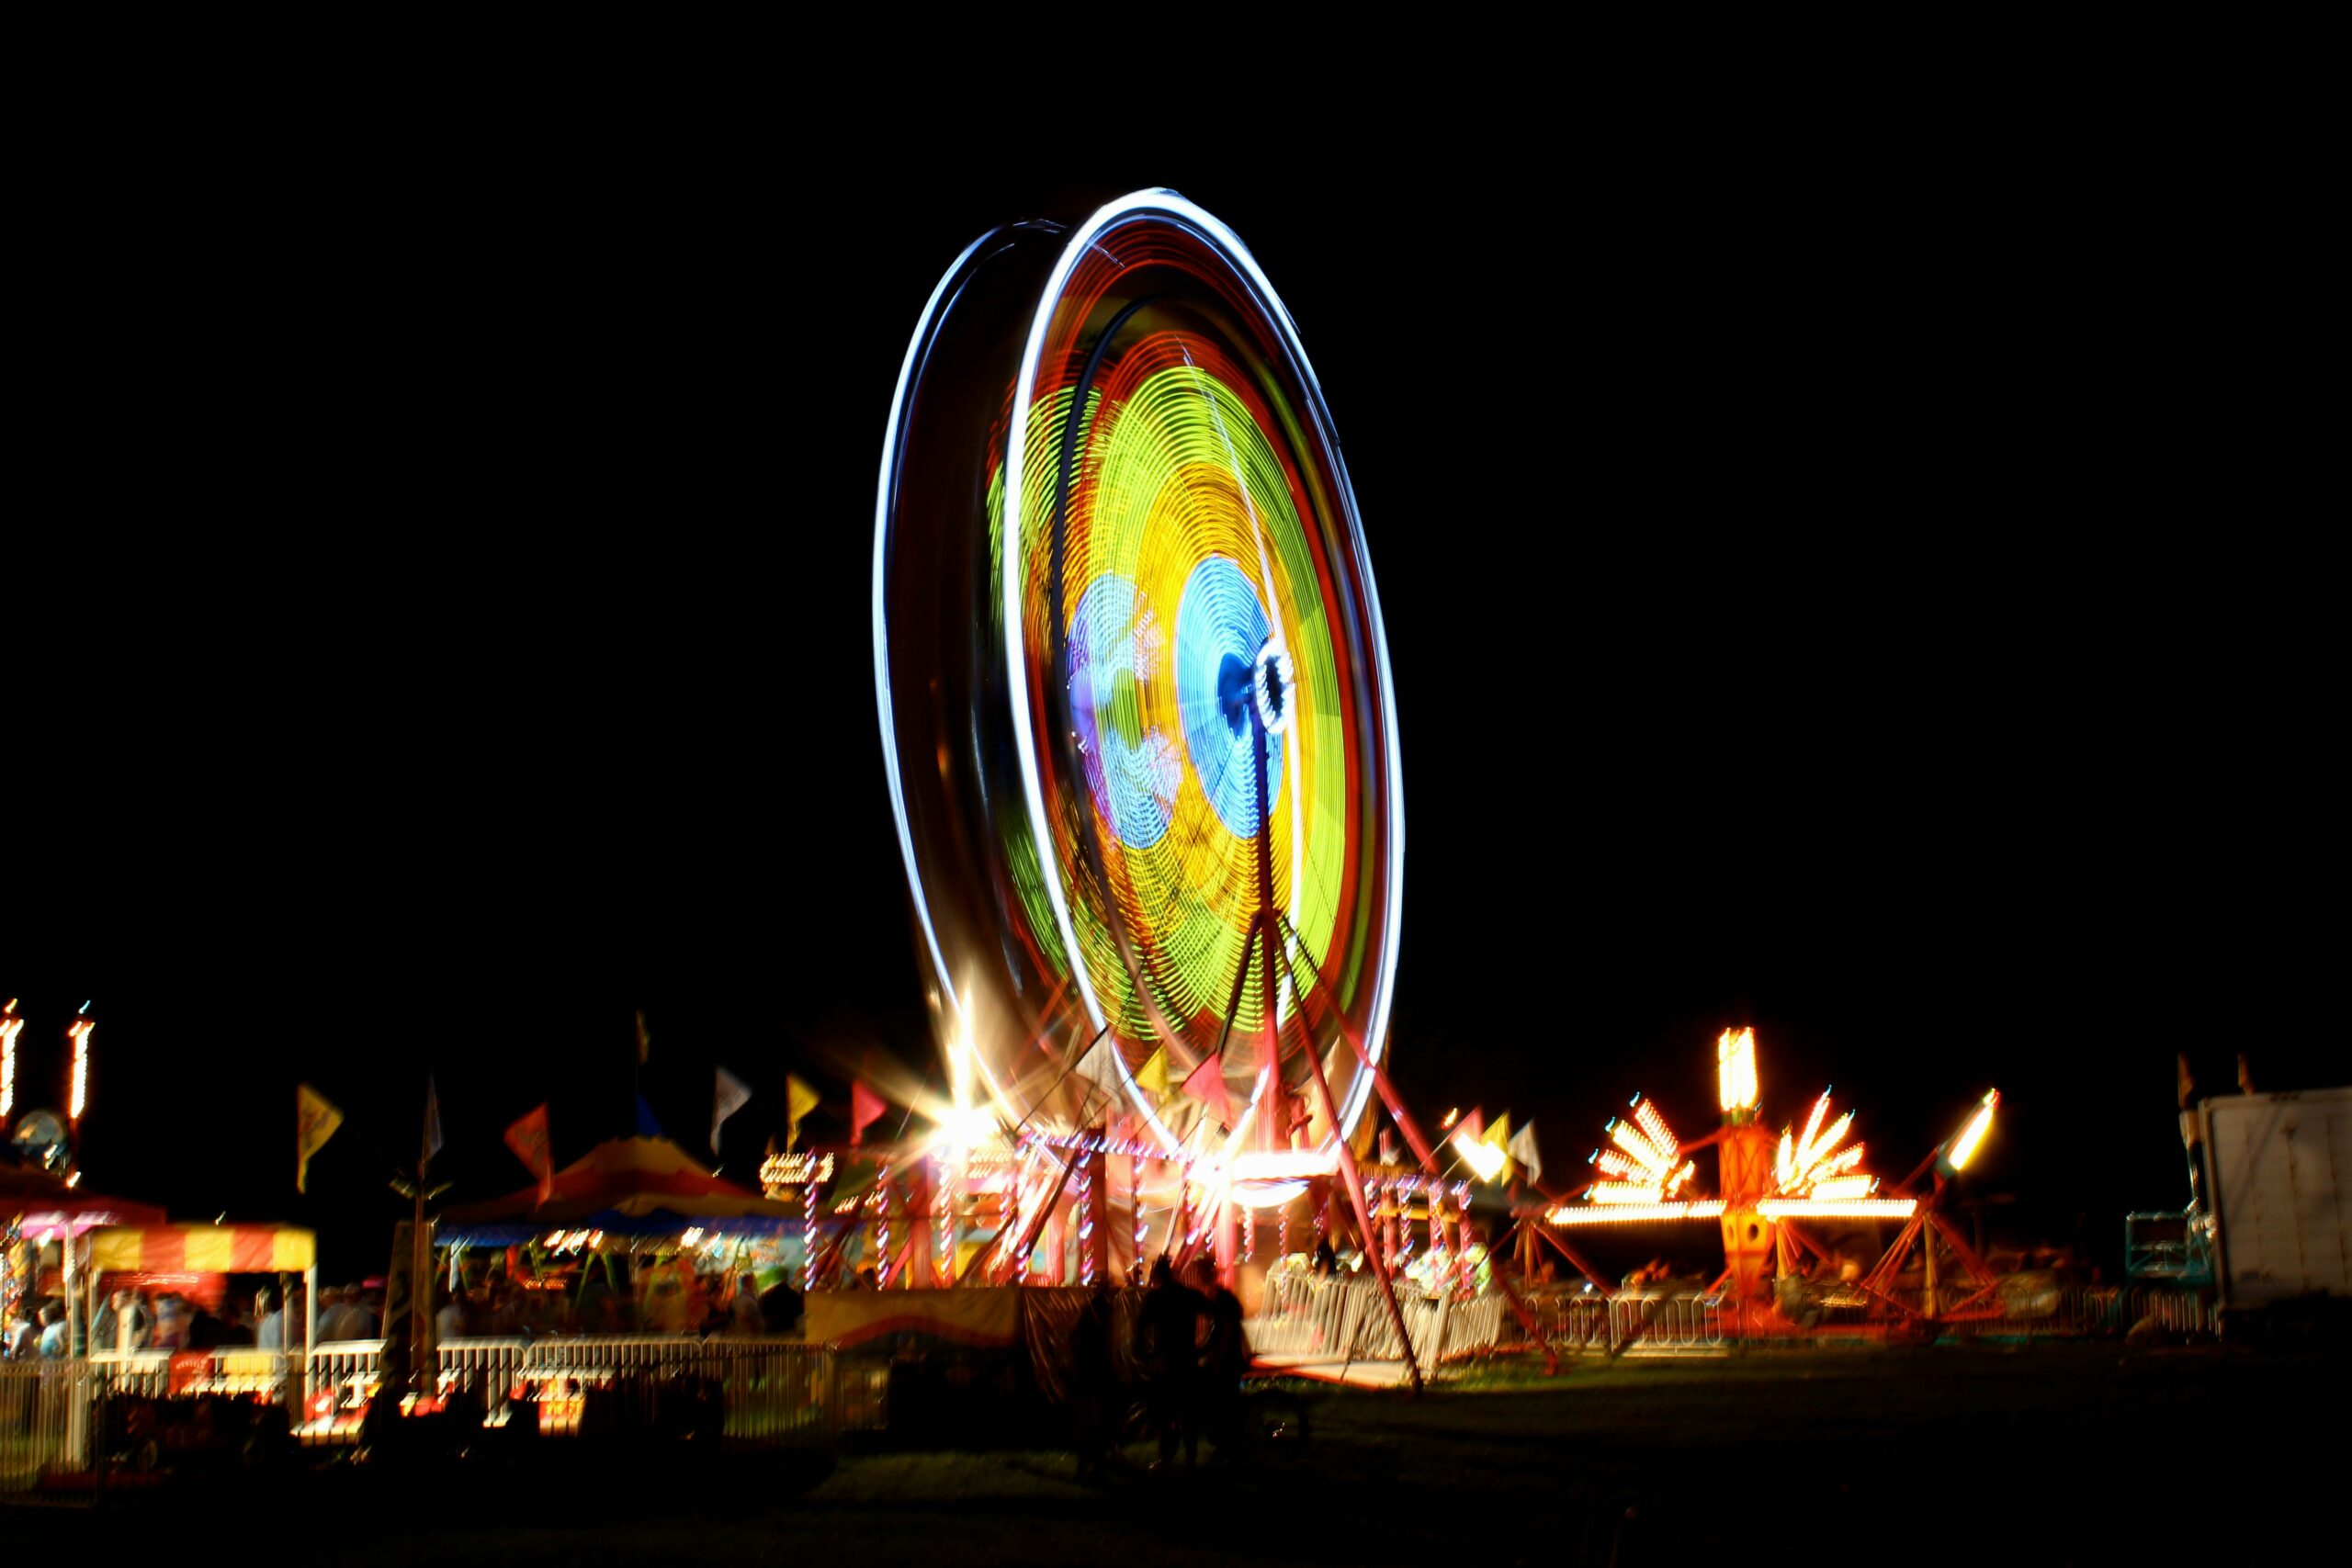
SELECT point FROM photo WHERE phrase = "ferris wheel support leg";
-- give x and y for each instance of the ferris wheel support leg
(1364, 1218)
(1422, 1151)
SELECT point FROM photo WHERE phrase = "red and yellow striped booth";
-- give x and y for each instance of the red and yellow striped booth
(202, 1249)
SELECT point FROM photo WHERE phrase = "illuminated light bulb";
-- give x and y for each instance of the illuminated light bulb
(1736, 1070)
(10, 1025)
(1634, 1214)
(1805, 1145)
(1659, 1133)
(1848, 1208)
(1615, 1164)
(1964, 1148)
(79, 1032)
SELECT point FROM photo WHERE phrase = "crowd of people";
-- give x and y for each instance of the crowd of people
(657, 1297)
(132, 1319)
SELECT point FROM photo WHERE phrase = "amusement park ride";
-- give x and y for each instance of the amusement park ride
(1773, 1191)
(1140, 734)
(1141, 737)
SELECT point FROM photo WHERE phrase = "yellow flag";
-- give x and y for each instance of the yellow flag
(799, 1100)
(1499, 1136)
(1153, 1074)
(314, 1123)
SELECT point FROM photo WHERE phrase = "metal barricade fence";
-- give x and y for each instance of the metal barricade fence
(769, 1389)
(1665, 1325)
(44, 1420)
(1343, 1319)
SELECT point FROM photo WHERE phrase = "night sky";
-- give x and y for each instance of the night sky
(1846, 583)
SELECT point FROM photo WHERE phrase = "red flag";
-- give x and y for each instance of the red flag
(1205, 1083)
(528, 1139)
(864, 1105)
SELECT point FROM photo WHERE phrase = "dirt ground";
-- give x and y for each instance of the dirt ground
(2040, 1453)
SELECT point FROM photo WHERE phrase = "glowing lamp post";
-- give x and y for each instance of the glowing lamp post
(10, 1027)
(77, 1096)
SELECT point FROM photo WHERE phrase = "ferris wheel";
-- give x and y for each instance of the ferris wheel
(1135, 705)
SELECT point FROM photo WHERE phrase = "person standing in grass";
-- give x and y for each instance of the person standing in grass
(1170, 1329)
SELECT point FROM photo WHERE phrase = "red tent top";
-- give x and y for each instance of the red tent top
(633, 1177)
(45, 1206)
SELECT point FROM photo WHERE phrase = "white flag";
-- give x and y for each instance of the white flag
(731, 1095)
(1100, 1067)
(1522, 1151)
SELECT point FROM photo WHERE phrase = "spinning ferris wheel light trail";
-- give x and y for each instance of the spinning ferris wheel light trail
(1136, 712)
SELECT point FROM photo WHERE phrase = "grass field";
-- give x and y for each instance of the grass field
(2044, 1453)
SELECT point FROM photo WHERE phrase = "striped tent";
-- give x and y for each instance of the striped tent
(637, 1186)
(202, 1249)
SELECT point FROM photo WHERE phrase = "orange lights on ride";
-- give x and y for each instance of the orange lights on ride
(1964, 1147)
(1812, 1165)
(1838, 1209)
(1735, 1073)
(1603, 1211)
(1643, 1169)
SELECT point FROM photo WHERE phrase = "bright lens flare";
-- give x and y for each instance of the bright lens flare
(1736, 1070)
(965, 1127)
(1485, 1161)
(1964, 1148)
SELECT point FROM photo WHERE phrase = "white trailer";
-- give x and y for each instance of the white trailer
(2277, 1170)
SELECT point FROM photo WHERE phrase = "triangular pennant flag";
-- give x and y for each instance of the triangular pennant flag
(864, 1105)
(1473, 1127)
(799, 1100)
(647, 1127)
(1499, 1136)
(528, 1138)
(644, 1041)
(314, 1123)
(1207, 1084)
(1523, 1152)
(1100, 1067)
(431, 1142)
(1153, 1074)
(729, 1095)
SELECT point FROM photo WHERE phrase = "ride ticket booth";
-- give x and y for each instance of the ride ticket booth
(188, 1395)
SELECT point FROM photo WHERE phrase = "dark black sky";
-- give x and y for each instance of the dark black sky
(1845, 574)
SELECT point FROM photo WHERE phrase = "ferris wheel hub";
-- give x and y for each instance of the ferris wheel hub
(1271, 682)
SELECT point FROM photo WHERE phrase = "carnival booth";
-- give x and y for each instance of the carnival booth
(49, 1226)
(634, 1236)
(188, 1398)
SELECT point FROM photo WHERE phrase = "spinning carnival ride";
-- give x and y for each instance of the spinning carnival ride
(1772, 1189)
(1138, 724)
